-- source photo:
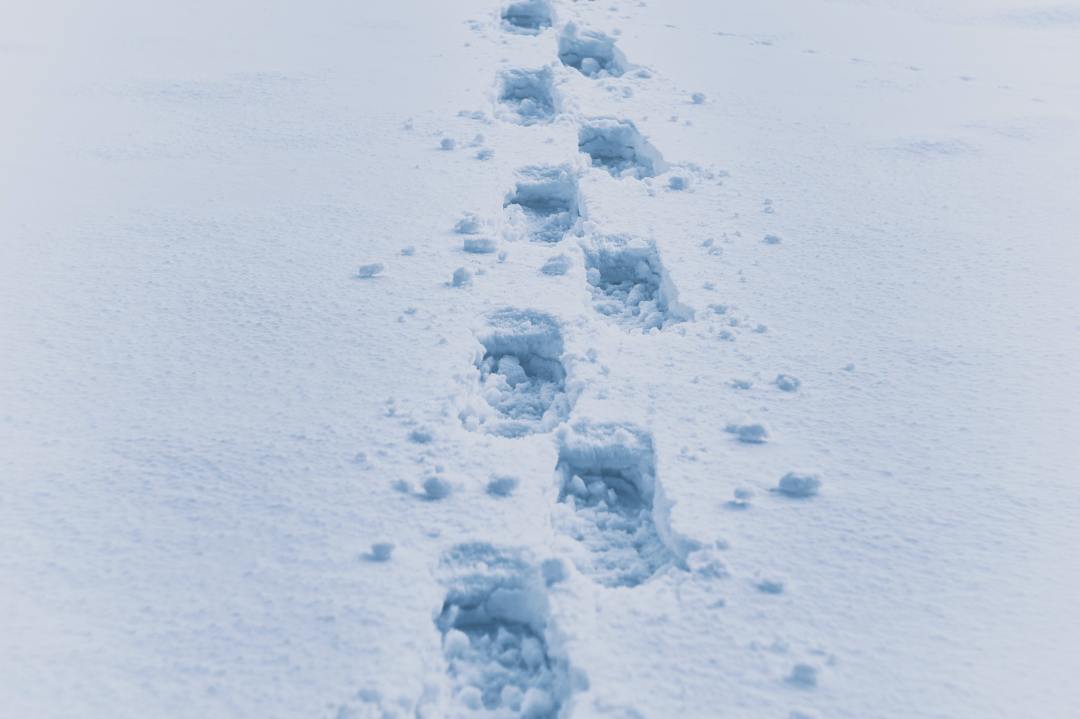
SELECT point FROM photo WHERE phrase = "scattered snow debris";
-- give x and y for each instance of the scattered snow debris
(770, 586)
(544, 202)
(366, 271)
(698, 98)
(678, 183)
(629, 284)
(461, 278)
(447, 143)
(706, 563)
(750, 433)
(521, 374)
(361, 458)
(436, 487)
(421, 435)
(380, 552)
(742, 498)
(618, 147)
(527, 17)
(408, 251)
(556, 266)
(502, 256)
(592, 53)
(772, 239)
(528, 95)
(741, 383)
(473, 115)
(608, 487)
(849, 367)
(485, 154)
(479, 245)
(501, 485)
(803, 675)
(469, 224)
(787, 383)
(760, 329)
(401, 485)
(798, 485)
(495, 623)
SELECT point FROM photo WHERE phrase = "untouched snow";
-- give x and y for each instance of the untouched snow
(548, 359)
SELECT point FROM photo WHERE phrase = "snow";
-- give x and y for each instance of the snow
(262, 455)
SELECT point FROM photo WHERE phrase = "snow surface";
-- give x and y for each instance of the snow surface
(433, 359)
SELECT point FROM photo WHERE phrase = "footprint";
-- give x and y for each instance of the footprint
(494, 624)
(591, 53)
(528, 95)
(521, 373)
(618, 147)
(527, 17)
(544, 202)
(607, 487)
(629, 284)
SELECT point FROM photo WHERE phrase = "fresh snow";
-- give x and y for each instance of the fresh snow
(540, 358)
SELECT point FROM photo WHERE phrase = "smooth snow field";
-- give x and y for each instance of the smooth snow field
(633, 359)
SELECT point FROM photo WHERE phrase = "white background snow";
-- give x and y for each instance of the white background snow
(208, 417)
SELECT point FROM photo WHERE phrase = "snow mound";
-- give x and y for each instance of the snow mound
(589, 52)
(522, 377)
(494, 622)
(544, 202)
(527, 95)
(618, 147)
(629, 284)
(607, 477)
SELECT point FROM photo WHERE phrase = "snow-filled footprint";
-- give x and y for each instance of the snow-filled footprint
(607, 491)
(521, 374)
(629, 284)
(618, 147)
(527, 96)
(495, 628)
(589, 52)
(527, 17)
(543, 206)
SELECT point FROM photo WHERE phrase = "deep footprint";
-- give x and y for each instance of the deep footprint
(527, 17)
(521, 373)
(528, 95)
(607, 486)
(629, 285)
(589, 52)
(494, 621)
(544, 202)
(618, 147)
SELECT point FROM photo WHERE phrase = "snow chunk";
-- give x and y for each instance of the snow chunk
(750, 433)
(799, 485)
(366, 271)
(787, 383)
(461, 278)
